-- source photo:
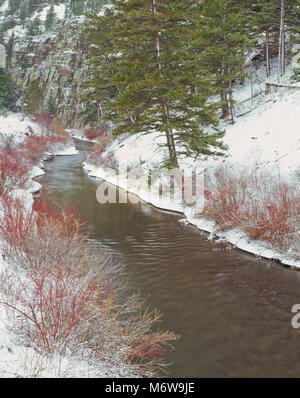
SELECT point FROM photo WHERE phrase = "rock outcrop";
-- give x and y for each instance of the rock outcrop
(57, 60)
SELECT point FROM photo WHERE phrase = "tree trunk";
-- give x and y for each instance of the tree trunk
(170, 139)
(281, 42)
(224, 101)
(231, 101)
(169, 132)
(268, 71)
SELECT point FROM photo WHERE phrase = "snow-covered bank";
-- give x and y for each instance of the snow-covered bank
(265, 139)
(16, 359)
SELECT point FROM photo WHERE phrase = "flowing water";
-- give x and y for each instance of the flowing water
(232, 310)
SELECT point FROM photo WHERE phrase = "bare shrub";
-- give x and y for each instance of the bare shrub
(262, 204)
(14, 171)
(109, 161)
(45, 120)
(57, 128)
(96, 133)
(98, 149)
(69, 301)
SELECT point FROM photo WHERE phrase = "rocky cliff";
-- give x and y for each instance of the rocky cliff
(56, 60)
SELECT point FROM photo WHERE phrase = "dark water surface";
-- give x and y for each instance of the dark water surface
(232, 310)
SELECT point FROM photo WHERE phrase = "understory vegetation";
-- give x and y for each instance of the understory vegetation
(261, 203)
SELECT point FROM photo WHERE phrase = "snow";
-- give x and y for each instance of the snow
(17, 125)
(16, 360)
(266, 138)
(58, 9)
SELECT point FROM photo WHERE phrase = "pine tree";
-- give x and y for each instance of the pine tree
(33, 27)
(9, 49)
(32, 6)
(153, 77)
(50, 18)
(77, 7)
(221, 43)
(276, 19)
(23, 14)
(51, 106)
(33, 98)
(99, 88)
(25, 65)
(7, 91)
(13, 6)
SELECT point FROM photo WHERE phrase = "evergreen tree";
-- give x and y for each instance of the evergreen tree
(7, 91)
(77, 7)
(33, 98)
(50, 18)
(33, 27)
(33, 5)
(99, 88)
(51, 106)
(25, 65)
(221, 43)
(13, 6)
(277, 20)
(9, 49)
(153, 77)
(23, 14)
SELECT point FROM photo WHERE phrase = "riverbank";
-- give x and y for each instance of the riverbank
(17, 359)
(258, 142)
(62, 303)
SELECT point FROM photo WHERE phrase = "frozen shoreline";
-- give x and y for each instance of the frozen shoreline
(257, 140)
(235, 237)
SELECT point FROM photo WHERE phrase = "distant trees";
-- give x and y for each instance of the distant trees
(50, 18)
(169, 66)
(34, 27)
(33, 97)
(220, 43)
(7, 91)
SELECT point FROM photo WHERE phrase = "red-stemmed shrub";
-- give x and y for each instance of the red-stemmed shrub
(109, 161)
(260, 203)
(66, 218)
(35, 146)
(14, 171)
(16, 222)
(96, 133)
(45, 120)
(69, 300)
(98, 149)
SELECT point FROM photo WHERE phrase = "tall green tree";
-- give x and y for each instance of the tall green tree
(7, 91)
(153, 75)
(33, 97)
(50, 18)
(221, 44)
(34, 27)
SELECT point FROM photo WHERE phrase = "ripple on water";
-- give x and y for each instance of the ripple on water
(232, 310)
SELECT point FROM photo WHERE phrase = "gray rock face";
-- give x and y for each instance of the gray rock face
(57, 61)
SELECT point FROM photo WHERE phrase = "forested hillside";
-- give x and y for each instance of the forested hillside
(170, 66)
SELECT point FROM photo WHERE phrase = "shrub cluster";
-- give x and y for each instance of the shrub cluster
(260, 203)
(66, 300)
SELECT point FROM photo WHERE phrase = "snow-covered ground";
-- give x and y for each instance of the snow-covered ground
(17, 360)
(267, 138)
(19, 31)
